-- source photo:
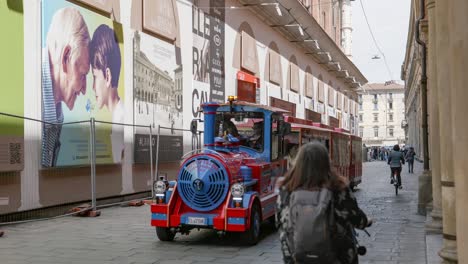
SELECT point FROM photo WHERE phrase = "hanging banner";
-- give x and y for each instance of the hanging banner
(208, 53)
(91, 85)
(217, 13)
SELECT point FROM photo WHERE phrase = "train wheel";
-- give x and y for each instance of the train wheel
(164, 234)
(252, 235)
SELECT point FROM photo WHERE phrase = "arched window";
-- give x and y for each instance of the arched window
(321, 92)
(273, 69)
(331, 94)
(293, 75)
(308, 83)
(245, 50)
(339, 99)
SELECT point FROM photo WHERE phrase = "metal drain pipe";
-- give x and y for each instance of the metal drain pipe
(423, 87)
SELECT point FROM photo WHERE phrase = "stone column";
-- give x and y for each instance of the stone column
(435, 222)
(458, 51)
(444, 68)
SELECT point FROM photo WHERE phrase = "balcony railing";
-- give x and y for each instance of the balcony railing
(375, 101)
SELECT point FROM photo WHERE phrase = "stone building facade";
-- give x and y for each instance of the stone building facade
(381, 113)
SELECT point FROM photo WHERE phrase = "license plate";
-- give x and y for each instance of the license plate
(196, 221)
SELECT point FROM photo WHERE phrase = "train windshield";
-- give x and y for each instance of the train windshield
(246, 127)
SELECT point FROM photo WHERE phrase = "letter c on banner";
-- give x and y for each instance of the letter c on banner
(195, 105)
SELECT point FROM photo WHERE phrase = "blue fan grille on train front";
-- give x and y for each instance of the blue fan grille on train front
(203, 183)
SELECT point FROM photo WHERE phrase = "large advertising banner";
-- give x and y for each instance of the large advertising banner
(158, 88)
(208, 28)
(82, 78)
(12, 88)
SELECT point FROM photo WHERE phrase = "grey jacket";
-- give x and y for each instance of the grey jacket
(410, 155)
(396, 159)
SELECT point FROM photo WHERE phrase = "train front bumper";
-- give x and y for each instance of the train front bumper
(231, 219)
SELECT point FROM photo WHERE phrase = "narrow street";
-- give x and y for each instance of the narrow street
(123, 234)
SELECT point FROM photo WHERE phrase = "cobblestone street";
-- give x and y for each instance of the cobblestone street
(123, 234)
(398, 234)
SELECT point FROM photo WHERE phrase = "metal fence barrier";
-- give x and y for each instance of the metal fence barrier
(92, 151)
(196, 146)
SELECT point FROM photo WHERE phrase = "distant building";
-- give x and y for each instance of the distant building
(381, 112)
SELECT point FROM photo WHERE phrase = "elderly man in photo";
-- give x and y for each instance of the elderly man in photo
(65, 64)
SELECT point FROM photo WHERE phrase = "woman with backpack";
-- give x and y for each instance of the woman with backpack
(316, 211)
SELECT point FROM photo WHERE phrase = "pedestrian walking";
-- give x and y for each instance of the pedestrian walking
(317, 211)
(410, 159)
(396, 160)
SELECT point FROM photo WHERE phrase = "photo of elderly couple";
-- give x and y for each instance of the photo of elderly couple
(81, 78)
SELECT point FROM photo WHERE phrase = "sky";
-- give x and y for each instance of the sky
(389, 21)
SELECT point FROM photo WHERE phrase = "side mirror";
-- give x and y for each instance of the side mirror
(194, 126)
(285, 128)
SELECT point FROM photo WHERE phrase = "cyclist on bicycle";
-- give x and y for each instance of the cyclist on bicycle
(396, 159)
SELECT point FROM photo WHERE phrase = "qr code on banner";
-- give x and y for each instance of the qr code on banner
(15, 153)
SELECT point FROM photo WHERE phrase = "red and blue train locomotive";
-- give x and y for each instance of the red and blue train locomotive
(229, 185)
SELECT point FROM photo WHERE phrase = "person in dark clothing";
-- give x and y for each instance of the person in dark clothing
(410, 159)
(396, 160)
(256, 141)
(312, 171)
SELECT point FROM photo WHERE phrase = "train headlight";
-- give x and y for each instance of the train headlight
(160, 187)
(237, 190)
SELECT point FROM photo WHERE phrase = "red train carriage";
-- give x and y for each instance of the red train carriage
(340, 152)
(342, 146)
(355, 167)
(302, 132)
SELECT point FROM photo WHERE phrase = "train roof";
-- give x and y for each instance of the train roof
(254, 107)
(342, 130)
(297, 123)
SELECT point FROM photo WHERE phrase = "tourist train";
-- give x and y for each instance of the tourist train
(230, 185)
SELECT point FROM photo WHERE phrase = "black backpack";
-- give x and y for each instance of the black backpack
(307, 225)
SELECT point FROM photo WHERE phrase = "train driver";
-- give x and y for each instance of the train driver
(256, 140)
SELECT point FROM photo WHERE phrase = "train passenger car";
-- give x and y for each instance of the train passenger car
(302, 132)
(340, 152)
(229, 185)
(355, 167)
(355, 158)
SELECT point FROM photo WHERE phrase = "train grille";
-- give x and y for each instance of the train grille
(203, 183)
